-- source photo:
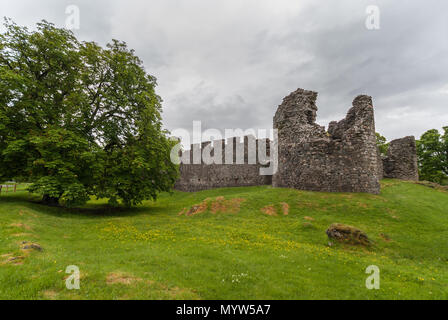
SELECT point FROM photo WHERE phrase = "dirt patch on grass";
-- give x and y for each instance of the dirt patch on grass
(24, 235)
(197, 209)
(30, 246)
(285, 208)
(50, 294)
(217, 205)
(308, 218)
(5, 257)
(10, 259)
(269, 210)
(121, 278)
(20, 225)
(221, 205)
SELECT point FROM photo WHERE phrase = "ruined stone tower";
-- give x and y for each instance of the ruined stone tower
(344, 159)
(401, 160)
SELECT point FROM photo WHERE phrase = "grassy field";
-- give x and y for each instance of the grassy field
(241, 246)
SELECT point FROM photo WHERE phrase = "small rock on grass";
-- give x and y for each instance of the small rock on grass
(347, 234)
(31, 246)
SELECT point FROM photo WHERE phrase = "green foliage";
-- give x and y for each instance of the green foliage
(432, 150)
(382, 144)
(78, 120)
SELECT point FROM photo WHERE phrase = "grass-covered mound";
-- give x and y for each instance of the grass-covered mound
(237, 243)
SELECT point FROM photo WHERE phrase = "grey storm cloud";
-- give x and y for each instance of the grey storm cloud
(229, 63)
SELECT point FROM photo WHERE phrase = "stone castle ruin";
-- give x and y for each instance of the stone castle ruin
(343, 159)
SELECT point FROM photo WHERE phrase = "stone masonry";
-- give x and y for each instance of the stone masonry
(401, 160)
(344, 159)
(236, 168)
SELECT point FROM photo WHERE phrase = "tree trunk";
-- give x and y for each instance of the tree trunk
(50, 201)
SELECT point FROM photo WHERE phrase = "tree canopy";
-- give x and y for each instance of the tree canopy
(432, 150)
(382, 144)
(78, 120)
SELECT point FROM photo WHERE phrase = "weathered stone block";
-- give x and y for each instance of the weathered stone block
(401, 161)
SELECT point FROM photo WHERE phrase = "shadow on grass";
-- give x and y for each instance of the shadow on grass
(91, 210)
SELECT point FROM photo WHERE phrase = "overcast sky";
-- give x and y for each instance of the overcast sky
(229, 63)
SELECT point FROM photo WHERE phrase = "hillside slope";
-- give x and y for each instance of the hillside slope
(238, 244)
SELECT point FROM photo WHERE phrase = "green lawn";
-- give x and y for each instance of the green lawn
(152, 252)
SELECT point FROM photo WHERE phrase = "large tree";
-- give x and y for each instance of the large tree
(78, 120)
(432, 149)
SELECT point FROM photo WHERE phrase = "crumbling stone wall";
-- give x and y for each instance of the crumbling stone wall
(344, 159)
(380, 164)
(401, 160)
(238, 167)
